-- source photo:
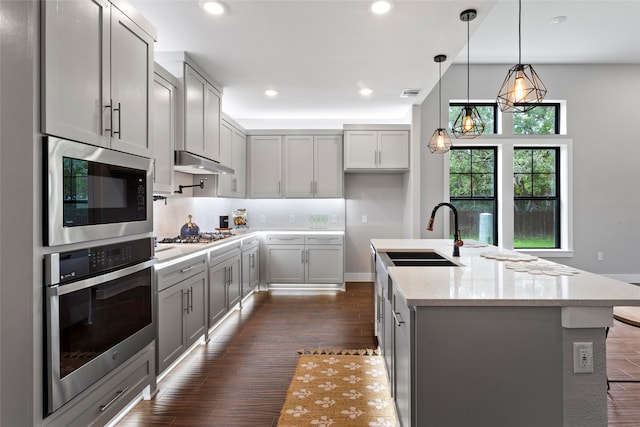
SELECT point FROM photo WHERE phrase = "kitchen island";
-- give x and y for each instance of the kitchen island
(490, 341)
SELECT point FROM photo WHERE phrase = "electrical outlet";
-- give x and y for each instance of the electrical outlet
(334, 219)
(364, 219)
(600, 256)
(263, 219)
(292, 218)
(582, 357)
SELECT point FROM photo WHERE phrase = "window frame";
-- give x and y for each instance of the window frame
(505, 146)
(557, 117)
(479, 104)
(556, 197)
(495, 200)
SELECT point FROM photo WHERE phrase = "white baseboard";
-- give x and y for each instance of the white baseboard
(358, 277)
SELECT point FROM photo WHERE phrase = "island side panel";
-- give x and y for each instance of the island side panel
(585, 395)
(498, 366)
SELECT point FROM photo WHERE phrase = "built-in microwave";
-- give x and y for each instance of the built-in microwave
(94, 193)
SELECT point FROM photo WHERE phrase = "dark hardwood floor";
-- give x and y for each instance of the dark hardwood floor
(241, 376)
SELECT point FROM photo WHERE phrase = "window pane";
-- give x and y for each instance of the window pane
(535, 224)
(522, 161)
(476, 220)
(540, 120)
(544, 161)
(522, 185)
(544, 185)
(460, 185)
(460, 161)
(482, 185)
(487, 114)
(482, 161)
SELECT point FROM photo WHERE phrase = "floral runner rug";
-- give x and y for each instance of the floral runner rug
(336, 389)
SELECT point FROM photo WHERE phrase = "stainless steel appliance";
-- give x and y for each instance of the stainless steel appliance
(94, 193)
(98, 313)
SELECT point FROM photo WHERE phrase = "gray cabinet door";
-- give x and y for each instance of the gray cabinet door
(172, 306)
(233, 284)
(75, 70)
(194, 93)
(324, 264)
(327, 166)
(218, 279)
(163, 134)
(211, 123)
(402, 355)
(131, 83)
(298, 166)
(196, 319)
(265, 166)
(285, 264)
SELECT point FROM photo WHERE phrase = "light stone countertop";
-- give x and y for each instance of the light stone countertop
(169, 252)
(479, 281)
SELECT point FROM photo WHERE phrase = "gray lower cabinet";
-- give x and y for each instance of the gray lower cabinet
(224, 281)
(182, 317)
(402, 358)
(305, 259)
(250, 265)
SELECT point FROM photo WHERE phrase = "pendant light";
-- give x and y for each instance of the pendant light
(522, 89)
(468, 124)
(440, 141)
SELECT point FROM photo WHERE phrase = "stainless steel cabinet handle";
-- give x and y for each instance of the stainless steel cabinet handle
(109, 403)
(191, 299)
(110, 107)
(399, 321)
(186, 303)
(154, 170)
(302, 256)
(119, 131)
(191, 267)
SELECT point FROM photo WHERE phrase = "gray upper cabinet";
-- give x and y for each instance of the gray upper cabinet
(164, 130)
(233, 153)
(97, 75)
(265, 166)
(201, 115)
(313, 166)
(376, 150)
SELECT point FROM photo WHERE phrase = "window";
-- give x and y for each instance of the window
(541, 120)
(536, 174)
(488, 113)
(473, 191)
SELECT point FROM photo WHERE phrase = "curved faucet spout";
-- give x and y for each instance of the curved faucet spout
(456, 234)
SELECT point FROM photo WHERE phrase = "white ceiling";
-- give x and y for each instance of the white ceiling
(319, 53)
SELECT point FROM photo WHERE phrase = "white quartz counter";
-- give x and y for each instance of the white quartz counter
(480, 281)
(167, 252)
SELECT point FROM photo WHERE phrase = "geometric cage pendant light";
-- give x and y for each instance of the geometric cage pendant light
(440, 141)
(468, 124)
(522, 89)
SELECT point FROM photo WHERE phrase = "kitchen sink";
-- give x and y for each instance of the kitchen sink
(426, 255)
(423, 263)
(419, 259)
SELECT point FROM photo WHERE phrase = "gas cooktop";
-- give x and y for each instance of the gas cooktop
(206, 237)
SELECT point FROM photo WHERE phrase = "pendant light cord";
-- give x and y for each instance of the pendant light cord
(468, 63)
(519, 31)
(440, 94)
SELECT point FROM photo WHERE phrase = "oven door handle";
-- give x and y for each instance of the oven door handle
(114, 275)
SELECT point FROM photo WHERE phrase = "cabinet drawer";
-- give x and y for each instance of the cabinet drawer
(311, 239)
(180, 271)
(285, 239)
(250, 242)
(105, 399)
(216, 256)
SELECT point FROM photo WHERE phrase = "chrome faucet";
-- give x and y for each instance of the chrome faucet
(456, 235)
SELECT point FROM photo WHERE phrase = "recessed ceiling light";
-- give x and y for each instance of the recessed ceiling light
(212, 6)
(380, 7)
(558, 20)
(271, 92)
(366, 91)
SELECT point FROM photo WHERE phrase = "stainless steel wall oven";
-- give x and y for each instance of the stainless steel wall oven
(98, 313)
(94, 193)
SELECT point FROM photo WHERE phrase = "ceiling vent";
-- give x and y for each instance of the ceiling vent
(409, 93)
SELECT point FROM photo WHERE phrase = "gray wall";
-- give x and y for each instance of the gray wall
(20, 282)
(602, 120)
